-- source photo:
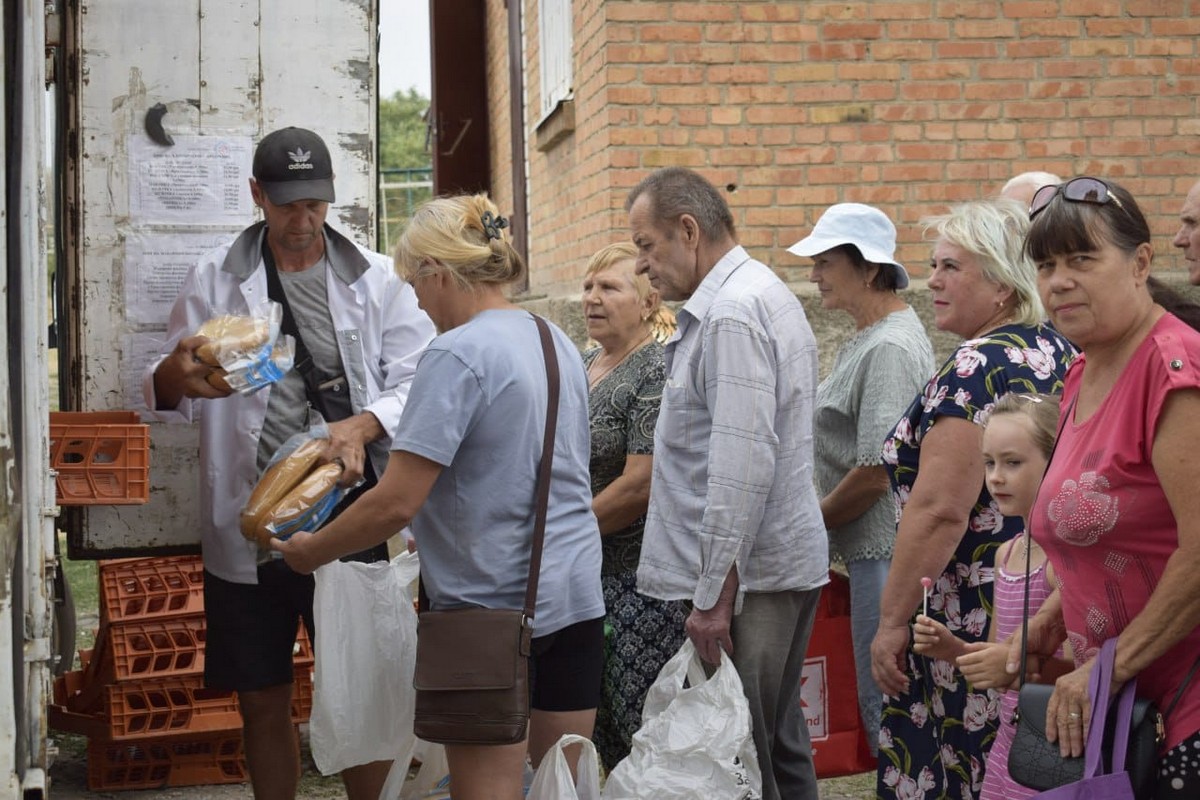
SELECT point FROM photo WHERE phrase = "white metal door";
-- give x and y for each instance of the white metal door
(216, 75)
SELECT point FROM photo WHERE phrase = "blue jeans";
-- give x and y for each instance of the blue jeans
(866, 585)
(770, 638)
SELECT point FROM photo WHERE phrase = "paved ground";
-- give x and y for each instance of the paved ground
(68, 778)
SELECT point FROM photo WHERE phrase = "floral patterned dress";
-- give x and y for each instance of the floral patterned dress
(641, 633)
(934, 739)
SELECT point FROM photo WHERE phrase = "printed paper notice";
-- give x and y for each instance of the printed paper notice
(155, 267)
(200, 180)
(139, 350)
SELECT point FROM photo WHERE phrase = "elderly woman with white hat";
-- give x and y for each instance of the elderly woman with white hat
(876, 374)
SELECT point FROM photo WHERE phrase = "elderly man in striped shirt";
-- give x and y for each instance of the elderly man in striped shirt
(734, 523)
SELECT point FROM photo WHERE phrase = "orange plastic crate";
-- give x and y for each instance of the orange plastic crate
(302, 694)
(172, 705)
(159, 649)
(101, 457)
(153, 764)
(161, 708)
(151, 588)
(155, 649)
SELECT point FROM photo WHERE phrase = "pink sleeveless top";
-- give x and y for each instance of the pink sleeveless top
(1103, 520)
(1009, 605)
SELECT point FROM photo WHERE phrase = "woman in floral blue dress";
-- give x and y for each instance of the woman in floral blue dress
(936, 728)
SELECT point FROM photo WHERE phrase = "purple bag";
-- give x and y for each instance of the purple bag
(1095, 784)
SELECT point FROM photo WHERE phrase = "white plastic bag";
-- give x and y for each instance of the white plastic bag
(363, 694)
(431, 781)
(553, 780)
(695, 743)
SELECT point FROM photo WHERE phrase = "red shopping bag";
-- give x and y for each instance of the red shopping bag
(829, 691)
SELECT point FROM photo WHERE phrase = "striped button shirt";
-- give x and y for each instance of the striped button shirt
(733, 449)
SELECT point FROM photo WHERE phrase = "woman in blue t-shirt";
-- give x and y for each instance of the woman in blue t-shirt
(463, 472)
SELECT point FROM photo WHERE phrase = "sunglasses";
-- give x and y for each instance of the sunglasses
(1077, 190)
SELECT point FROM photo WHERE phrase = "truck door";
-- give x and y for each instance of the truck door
(165, 104)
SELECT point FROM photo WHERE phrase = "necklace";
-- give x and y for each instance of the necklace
(1025, 543)
(594, 376)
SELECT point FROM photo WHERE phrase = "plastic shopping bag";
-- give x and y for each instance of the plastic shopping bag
(695, 742)
(366, 645)
(431, 781)
(553, 780)
(829, 691)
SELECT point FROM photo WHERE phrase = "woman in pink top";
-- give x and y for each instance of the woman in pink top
(1118, 513)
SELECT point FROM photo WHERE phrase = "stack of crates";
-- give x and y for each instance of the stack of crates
(139, 696)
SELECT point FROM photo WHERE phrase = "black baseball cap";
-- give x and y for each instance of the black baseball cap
(293, 164)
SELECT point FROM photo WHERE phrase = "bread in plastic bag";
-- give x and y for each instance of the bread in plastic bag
(295, 492)
(306, 507)
(245, 350)
(257, 374)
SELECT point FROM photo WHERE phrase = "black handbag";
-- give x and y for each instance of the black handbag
(472, 670)
(1038, 764)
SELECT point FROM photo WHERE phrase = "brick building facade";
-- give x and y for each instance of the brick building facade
(792, 106)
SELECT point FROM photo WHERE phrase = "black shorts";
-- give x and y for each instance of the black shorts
(566, 667)
(251, 628)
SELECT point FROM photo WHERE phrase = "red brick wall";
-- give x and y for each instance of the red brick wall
(905, 105)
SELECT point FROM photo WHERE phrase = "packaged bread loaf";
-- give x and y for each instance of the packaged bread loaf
(299, 505)
(275, 483)
(249, 375)
(232, 337)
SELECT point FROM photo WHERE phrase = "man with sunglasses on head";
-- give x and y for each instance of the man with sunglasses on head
(1023, 186)
(362, 334)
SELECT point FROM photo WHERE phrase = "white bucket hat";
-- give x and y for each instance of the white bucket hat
(865, 227)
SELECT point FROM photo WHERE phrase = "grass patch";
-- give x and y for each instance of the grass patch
(82, 576)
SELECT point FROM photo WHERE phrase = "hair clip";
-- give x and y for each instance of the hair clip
(493, 224)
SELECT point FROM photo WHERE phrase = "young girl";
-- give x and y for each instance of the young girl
(1017, 442)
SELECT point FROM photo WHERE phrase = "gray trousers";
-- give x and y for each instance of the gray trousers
(770, 638)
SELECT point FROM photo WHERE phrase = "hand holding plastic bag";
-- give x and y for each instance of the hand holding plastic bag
(553, 780)
(695, 742)
(366, 646)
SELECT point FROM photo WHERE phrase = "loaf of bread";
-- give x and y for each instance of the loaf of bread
(279, 479)
(231, 336)
(310, 491)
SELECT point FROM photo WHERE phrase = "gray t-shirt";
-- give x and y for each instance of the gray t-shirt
(876, 375)
(287, 408)
(478, 407)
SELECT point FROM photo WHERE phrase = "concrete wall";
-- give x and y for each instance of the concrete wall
(830, 327)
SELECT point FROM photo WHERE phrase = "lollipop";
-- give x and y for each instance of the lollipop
(926, 583)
